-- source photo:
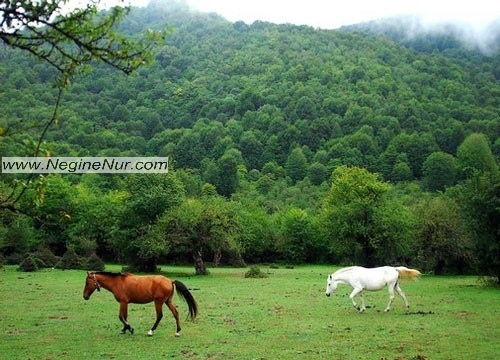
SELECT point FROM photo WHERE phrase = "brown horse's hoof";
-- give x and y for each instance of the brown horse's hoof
(129, 328)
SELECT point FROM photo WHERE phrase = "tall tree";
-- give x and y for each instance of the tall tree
(439, 171)
(296, 165)
(227, 173)
(364, 225)
(479, 199)
(150, 196)
(297, 239)
(201, 227)
(474, 155)
(443, 242)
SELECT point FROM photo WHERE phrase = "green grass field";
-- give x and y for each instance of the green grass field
(285, 316)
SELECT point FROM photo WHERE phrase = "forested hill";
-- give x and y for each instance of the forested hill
(263, 92)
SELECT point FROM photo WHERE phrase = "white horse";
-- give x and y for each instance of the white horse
(371, 279)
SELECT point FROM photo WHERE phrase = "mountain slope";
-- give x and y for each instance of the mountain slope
(260, 91)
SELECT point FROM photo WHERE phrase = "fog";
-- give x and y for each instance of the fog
(478, 21)
(332, 14)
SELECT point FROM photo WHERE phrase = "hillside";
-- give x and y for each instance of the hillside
(264, 90)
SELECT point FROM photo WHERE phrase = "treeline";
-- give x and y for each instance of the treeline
(288, 143)
(148, 220)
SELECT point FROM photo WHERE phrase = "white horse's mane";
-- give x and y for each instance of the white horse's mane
(343, 270)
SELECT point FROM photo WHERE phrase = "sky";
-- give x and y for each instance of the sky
(332, 14)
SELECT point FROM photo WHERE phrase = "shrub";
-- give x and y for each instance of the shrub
(94, 263)
(255, 272)
(46, 256)
(70, 260)
(30, 264)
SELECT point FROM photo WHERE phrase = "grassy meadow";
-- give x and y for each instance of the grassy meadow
(284, 316)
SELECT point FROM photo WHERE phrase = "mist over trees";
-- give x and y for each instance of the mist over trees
(287, 144)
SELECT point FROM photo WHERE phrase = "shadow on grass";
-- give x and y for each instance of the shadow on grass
(421, 313)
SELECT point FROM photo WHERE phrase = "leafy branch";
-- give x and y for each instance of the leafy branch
(70, 39)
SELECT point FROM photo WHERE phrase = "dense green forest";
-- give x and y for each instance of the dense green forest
(287, 144)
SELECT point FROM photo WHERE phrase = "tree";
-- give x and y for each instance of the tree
(53, 211)
(256, 236)
(296, 232)
(317, 173)
(439, 171)
(150, 196)
(188, 150)
(443, 241)
(474, 154)
(364, 225)
(96, 220)
(251, 149)
(68, 38)
(201, 227)
(227, 169)
(296, 165)
(17, 236)
(401, 170)
(479, 200)
(248, 100)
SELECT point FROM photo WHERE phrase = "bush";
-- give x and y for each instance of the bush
(94, 263)
(255, 272)
(70, 260)
(30, 264)
(46, 256)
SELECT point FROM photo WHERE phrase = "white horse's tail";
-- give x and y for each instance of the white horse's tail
(406, 273)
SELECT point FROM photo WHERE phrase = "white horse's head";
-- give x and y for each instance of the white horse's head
(331, 285)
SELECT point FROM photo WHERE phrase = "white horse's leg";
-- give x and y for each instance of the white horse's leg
(403, 295)
(390, 287)
(363, 307)
(355, 292)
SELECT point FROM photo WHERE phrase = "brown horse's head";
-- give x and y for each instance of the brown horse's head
(91, 284)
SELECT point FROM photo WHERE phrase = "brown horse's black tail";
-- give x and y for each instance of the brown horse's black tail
(183, 291)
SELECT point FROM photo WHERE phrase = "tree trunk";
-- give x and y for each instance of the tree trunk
(199, 265)
(217, 257)
(368, 253)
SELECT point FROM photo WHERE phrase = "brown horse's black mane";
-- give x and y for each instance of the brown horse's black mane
(112, 274)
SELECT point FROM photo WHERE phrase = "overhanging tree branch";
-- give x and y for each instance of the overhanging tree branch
(70, 40)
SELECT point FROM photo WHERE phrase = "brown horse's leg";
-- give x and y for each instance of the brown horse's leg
(159, 316)
(123, 318)
(174, 311)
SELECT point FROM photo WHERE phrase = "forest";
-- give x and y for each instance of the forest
(288, 144)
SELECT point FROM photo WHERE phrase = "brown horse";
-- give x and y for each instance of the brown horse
(128, 288)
